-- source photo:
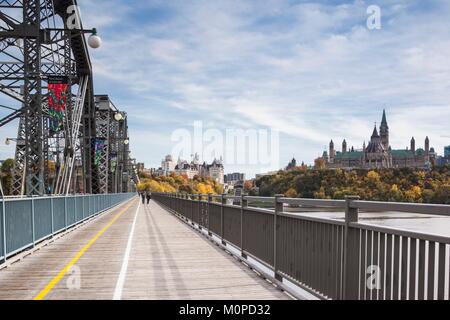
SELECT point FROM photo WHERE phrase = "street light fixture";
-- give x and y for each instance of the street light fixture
(118, 116)
(94, 40)
(19, 141)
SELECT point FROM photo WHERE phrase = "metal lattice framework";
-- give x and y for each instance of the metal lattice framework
(37, 47)
(114, 167)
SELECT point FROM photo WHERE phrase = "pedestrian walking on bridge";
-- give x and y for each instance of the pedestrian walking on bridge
(143, 196)
(149, 196)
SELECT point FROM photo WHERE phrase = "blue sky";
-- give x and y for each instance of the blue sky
(311, 70)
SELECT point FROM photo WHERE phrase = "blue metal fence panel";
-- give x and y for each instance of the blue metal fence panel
(70, 211)
(85, 201)
(91, 205)
(59, 214)
(79, 205)
(42, 218)
(19, 229)
(33, 219)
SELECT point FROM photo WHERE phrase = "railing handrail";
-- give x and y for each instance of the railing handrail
(328, 257)
(19, 198)
(382, 206)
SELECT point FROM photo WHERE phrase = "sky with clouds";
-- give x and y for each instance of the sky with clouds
(310, 70)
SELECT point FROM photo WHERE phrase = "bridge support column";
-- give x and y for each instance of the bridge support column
(278, 209)
(208, 216)
(244, 205)
(349, 285)
(223, 202)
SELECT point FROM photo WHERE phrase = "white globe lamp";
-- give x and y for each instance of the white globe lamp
(118, 116)
(94, 40)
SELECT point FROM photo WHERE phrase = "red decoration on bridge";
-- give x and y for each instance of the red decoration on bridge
(57, 102)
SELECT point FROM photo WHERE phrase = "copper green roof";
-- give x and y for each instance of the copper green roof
(349, 155)
(402, 153)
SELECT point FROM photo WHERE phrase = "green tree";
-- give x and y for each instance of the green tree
(6, 175)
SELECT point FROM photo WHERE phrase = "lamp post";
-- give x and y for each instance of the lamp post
(94, 40)
(18, 141)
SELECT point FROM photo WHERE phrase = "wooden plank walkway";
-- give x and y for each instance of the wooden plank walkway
(166, 260)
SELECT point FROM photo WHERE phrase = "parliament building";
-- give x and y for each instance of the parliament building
(379, 154)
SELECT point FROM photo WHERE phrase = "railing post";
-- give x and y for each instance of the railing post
(3, 225)
(223, 202)
(244, 205)
(53, 217)
(278, 208)
(351, 215)
(191, 205)
(82, 204)
(208, 213)
(199, 211)
(32, 223)
(65, 212)
(75, 206)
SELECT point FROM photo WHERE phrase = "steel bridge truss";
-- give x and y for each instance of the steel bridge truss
(36, 49)
(115, 168)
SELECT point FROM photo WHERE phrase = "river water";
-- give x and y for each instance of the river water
(430, 224)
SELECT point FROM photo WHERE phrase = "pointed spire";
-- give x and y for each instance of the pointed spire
(383, 120)
(375, 132)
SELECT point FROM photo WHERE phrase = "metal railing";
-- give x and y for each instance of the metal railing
(24, 222)
(330, 258)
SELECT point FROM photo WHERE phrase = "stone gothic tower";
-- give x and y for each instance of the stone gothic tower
(427, 149)
(413, 145)
(344, 146)
(384, 132)
(332, 151)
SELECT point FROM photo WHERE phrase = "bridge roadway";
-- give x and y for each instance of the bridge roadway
(133, 251)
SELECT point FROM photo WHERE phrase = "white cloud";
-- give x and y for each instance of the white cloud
(311, 70)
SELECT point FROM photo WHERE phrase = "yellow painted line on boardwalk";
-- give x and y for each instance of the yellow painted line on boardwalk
(80, 253)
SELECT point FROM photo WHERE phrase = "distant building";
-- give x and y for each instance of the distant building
(140, 167)
(291, 165)
(442, 161)
(215, 170)
(233, 178)
(447, 152)
(379, 154)
(168, 165)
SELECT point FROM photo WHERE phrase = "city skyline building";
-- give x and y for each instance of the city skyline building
(378, 153)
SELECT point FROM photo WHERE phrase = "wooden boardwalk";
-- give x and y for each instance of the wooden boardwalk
(134, 251)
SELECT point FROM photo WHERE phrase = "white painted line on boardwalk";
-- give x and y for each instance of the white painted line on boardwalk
(123, 270)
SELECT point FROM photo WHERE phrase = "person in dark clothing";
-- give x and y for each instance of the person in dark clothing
(143, 197)
(149, 197)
